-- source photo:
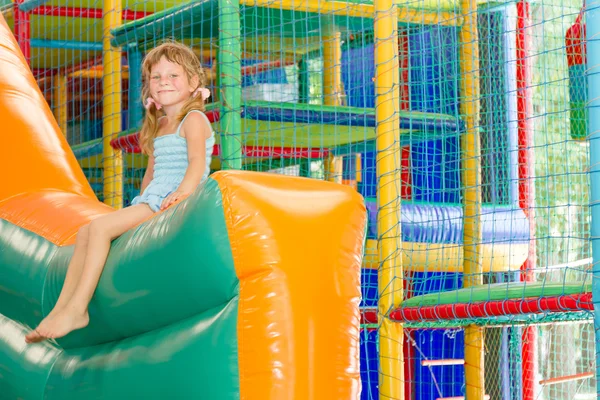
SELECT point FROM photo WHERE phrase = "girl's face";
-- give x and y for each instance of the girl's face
(169, 84)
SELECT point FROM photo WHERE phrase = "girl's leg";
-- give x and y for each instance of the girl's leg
(73, 274)
(74, 315)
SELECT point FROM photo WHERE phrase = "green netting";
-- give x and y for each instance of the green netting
(523, 321)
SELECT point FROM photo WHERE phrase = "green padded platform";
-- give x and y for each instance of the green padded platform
(498, 292)
(199, 19)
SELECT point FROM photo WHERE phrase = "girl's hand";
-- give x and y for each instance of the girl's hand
(172, 198)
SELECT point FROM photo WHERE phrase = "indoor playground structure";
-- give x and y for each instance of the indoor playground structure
(403, 201)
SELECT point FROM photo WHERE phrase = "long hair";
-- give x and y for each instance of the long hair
(176, 53)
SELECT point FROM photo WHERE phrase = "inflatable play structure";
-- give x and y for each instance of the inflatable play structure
(468, 127)
(214, 298)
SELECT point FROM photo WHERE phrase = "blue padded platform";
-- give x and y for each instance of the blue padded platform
(435, 223)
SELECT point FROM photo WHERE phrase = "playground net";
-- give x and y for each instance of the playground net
(462, 124)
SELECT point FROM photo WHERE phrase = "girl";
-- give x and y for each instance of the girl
(179, 141)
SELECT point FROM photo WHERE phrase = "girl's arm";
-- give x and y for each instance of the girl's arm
(148, 175)
(196, 130)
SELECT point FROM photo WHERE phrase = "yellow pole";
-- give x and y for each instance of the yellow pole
(59, 99)
(358, 167)
(329, 167)
(338, 170)
(334, 168)
(111, 108)
(387, 107)
(469, 65)
(332, 69)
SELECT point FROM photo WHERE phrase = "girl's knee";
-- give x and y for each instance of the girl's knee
(83, 233)
(95, 228)
(99, 228)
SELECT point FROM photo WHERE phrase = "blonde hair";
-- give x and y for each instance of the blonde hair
(180, 54)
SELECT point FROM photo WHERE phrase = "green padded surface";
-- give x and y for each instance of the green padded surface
(164, 315)
(24, 369)
(193, 359)
(498, 292)
(23, 276)
(143, 286)
(414, 116)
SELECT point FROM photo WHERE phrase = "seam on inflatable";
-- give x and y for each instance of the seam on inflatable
(230, 225)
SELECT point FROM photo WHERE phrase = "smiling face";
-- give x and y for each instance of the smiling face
(169, 84)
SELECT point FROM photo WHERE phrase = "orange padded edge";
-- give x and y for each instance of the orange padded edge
(35, 158)
(298, 260)
(55, 216)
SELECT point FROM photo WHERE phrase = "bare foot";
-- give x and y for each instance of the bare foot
(61, 324)
(34, 336)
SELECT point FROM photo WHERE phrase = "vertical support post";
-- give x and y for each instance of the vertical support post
(112, 161)
(593, 75)
(358, 161)
(409, 363)
(404, 63)
(526, 187)
(332, 68)
(471, 177)
(387, 107)
(59, 100)
(334, 168)
(135, 107)
(303, 95)
(230, 83)
(304, 164)
(303, 84)
(504, 365)
(329, 168)
(22, 30)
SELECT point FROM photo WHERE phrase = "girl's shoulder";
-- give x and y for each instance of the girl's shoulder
(201, 114)
(202, 117)
(195, 111)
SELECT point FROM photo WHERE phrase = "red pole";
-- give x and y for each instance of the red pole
(22, 30)
(524, 112)
(403, 61)
(80, 12)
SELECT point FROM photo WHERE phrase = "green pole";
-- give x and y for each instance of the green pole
(305, 167)
(229, 84)
(303, 81)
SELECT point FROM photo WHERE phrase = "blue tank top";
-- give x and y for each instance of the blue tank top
(170, 165)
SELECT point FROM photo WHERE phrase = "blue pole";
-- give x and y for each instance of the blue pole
(135, 107)
(593, 76)
(505, 353)
(66, 45)
(29, 5)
